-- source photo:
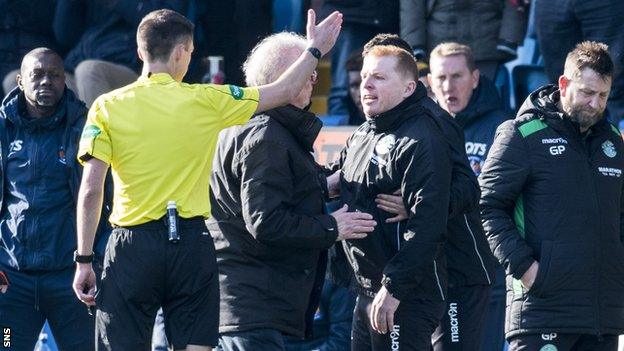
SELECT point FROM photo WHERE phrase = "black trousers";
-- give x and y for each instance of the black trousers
(414, 321)
(461, 327)
(563, 342)
(143, 271)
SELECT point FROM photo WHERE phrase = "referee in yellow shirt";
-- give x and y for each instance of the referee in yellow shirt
(158, 135)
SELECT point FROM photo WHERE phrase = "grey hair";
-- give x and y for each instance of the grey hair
(269, 59)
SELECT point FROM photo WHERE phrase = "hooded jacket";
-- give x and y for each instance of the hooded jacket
(402, 148)
(479, 120)
(552, 194)
(37, 211)
(269, 224)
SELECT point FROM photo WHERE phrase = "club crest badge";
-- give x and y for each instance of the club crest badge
(385, 144)
(609, 149)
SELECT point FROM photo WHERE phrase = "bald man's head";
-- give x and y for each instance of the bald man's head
(42, 80)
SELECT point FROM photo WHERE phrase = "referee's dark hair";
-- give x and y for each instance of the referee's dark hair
(160, 31)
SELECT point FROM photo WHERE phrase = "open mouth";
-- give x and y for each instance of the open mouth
(451, 100)
(369, 98)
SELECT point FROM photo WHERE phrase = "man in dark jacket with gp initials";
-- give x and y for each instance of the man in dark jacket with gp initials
(269, 223)
(40, 126)
(552, 190)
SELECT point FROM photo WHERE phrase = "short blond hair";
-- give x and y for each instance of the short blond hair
(454, 49)
(406, 63)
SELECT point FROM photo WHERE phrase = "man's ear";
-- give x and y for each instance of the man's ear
(564, 83)
(409, 88)
(140, 54)
(18, 80)
(177, 52)
(475, 78)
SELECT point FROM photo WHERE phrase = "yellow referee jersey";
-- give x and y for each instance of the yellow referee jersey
(159, 137)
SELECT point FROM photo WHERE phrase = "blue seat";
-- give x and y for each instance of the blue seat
(526, 79)
(334, 120)
(288, 15)
(501, 81)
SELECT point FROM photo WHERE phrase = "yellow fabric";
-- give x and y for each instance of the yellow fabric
(159, 137)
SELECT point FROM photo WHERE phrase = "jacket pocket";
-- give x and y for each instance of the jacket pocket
(539, 284)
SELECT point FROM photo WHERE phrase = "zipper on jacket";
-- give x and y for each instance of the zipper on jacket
(398, 237)
(474, 241)
(435, 271)
(597, 254)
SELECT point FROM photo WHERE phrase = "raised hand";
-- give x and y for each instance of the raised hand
(323, 35)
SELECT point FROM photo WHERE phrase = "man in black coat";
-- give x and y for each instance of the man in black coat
(269, 223)
(552, 191)
(474, 103)
(399, 269)
(469, 260)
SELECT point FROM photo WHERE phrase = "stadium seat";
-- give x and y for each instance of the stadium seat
(334, 120)
(502, 84)
(527, 78)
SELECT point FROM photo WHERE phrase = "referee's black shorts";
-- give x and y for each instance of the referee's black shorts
(144, 271)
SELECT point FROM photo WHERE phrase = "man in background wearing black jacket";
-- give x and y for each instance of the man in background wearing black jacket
(552, 190)
(473, 102)
(269, 223)
(400, 269)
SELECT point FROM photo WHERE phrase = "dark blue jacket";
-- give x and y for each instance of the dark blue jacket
(479, 120)
(554, 195)
(104, 29)
(25, 242)
(25, 25)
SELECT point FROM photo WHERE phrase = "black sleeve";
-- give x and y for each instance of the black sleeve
(464, 196)
(622, 215)
(133, 11)
(465, 191)
(69, 22)
(504, 175)
(425, 186)
(413, 14)
(267, 185)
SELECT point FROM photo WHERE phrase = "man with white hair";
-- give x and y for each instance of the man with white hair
(269, 223)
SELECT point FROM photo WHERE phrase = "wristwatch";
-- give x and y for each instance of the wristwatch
(315, 52)
(83, 258)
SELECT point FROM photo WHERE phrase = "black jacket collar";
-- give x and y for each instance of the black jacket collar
(408, 108)
(302, 124)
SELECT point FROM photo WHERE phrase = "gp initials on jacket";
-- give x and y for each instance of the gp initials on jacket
(556, 150)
